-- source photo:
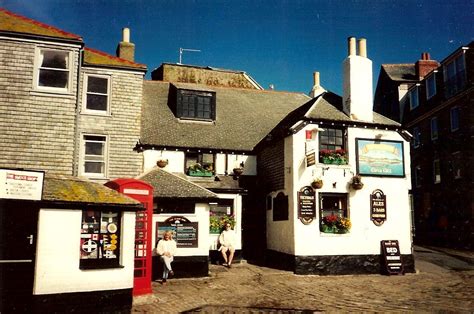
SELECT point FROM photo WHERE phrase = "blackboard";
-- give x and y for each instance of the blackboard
(392, 258)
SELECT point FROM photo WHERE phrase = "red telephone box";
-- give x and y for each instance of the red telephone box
(143, 193)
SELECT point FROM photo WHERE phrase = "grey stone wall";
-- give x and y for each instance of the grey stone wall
(122, 126)
(36, 128)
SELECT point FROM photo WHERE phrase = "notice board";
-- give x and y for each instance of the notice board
(392, 257)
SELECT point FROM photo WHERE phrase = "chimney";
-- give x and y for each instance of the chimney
(125, 49)
(425, 65)
(357, 82)
(317, 89)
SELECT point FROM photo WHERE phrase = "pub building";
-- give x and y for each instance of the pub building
(346, 181)
(65, 244)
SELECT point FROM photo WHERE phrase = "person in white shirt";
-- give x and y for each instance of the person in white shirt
(166, 249)
(227, 242)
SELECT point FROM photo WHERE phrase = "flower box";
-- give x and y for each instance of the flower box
(333, 157)
(335, 224)
(199, 173)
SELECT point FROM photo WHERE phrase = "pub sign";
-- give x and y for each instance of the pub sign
(306, 205)
(185, 233)
(378, 207)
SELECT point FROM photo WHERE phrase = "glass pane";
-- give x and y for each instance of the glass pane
(54, 59)
(339, 141)
(331, 132)
(93, 167)
(339, 133)
(93, 148)
(97, 102)
(97, 85)
(53, 78)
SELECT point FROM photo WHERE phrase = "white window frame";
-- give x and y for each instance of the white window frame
(84, 158)
(427, 81)
(85, 92)
(434, 122)
(436, 171)
(416, 137)
(412, 97)
(451, 116)
(37, 66)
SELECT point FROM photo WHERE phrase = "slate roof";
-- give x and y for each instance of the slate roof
(243, 118)
(67, 189)
(401, 72)
(174, 185)
(14, 23)
(98, 58)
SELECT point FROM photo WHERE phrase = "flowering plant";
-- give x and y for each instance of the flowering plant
(333, 156)
(335, 224)
(217, 222)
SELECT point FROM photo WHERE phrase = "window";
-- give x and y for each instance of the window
(95, 155)
(454, 76)
(195, 105)
(454, 118)
(53, 70)
(97, 94)
(436, 171)
(220, 213)
(333, 212)
(280, 207)
(199, 165)
(416, 137)
(418, 176)
(413, 94)
(100, 239)
(431, 86)
(456, 165)
(434, 128)
(332, 146)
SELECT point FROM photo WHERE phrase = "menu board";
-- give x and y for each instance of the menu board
(392, 257)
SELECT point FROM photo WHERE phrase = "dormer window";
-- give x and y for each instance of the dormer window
(197, 105)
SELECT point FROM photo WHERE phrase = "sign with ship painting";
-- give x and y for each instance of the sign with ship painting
(380, 158)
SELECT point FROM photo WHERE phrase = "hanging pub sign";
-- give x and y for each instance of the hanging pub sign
(392, 257)
(378, 207)
(310, 159)
(306, 205)
(185, 233)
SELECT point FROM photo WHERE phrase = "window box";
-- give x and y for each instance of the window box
(335, 224)
(334, 157)
(199, 173)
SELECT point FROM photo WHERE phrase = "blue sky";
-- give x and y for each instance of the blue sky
(276, 42)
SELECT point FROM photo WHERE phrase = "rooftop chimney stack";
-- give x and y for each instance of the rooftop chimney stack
(125, 49)
(425, 65)
(357, 84)
(317, 89)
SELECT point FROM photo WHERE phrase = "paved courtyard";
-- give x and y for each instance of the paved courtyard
(442, 283)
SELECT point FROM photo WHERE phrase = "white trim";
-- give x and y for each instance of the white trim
(37, 64)
(82, 158)
(16, 39)
(85, 83)
(436, 176)
(433, 76)
(109, 70)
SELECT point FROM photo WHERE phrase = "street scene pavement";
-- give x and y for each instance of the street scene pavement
(444, 282)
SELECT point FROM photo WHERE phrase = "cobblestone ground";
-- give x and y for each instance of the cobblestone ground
(251, 289)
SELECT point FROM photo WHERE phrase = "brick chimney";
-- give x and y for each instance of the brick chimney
(425, 65)
(357, 82)
(317, 88)
(125, 49)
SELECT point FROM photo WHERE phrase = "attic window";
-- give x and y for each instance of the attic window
(196, 105)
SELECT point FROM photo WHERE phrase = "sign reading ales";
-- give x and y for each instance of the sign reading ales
(378, 207)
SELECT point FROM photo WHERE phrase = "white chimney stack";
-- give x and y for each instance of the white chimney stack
(126, 35)
(357, 84)
(317, 88)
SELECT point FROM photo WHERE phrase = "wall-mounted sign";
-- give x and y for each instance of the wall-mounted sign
(378, 207)
(392, 257)
(21, 185)
(380, 158)
(306, 205)
(185, 233)
(310, 159)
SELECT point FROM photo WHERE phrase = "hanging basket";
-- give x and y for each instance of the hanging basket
(238, 171)
(357, 186)
(317, 184)
(162, 163)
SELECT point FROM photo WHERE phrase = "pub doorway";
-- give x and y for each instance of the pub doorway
(254, 241)
(18, 230)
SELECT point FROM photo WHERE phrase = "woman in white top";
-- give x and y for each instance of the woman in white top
(166, 249)
(227, 242)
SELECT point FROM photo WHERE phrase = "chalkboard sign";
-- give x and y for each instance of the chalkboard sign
(392, 257)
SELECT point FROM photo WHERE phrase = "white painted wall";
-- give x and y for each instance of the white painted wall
(176, 161)
(58, 255)
(364, 237)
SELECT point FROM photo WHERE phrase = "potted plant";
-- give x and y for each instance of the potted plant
(333, 156)
(217, 222)
(162, 162)
(335, 224)
(317, 183)
(239, 170)
(356, 182)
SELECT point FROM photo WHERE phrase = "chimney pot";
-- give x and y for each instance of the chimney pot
(362, 47)
(351, 42)
(316, 79)
(126, 35)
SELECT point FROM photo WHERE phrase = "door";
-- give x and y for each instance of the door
(18, 224)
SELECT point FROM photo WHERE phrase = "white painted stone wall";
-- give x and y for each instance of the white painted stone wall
(58, 256)
(364, 237)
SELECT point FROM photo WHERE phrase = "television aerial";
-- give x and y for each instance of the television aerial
(181, 50)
